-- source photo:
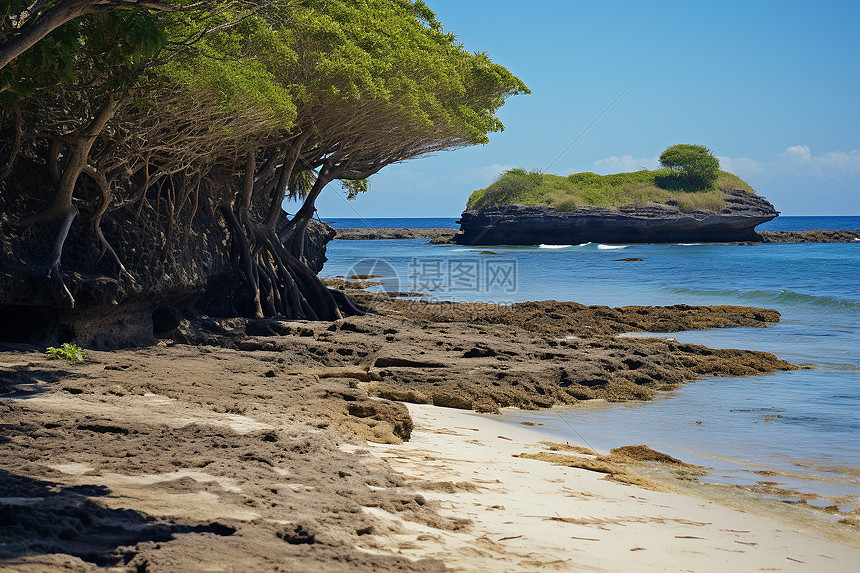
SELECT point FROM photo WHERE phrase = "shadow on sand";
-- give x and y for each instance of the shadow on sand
(39, 517)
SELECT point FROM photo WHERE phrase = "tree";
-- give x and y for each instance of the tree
(232, 111)
(97, 78)
(694, 165)
(365, 97)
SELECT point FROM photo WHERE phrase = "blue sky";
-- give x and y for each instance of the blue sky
(771, 87)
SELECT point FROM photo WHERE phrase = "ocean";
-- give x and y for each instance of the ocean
(804, 425)
(834, 223)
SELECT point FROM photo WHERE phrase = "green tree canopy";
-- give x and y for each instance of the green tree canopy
(694, 165)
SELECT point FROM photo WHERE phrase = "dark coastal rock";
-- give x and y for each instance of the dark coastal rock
(649, 223)
(538, 354)
(811, 236)
(317, 237)
(566, 318)
(392, 233)
(170, 279)
(445, 239)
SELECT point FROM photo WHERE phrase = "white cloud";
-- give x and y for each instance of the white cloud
(798, 182)
(796, 154)
(743, 167)
(798, 161)
(625, 163)
(835, 165)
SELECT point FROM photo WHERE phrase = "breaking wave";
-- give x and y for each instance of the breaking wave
(786, 297)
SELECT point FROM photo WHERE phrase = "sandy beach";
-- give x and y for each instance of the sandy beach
(529, 515)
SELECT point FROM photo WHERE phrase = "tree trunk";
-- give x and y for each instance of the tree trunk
(239, 220)
(15, 145)
(295, 232)
(276, 278)
(77, 158)
(287, 169)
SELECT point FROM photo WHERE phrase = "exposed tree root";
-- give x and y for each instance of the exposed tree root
(272, 267)
(57, 253)
(104, 188)
(172, 181)
(277, 282)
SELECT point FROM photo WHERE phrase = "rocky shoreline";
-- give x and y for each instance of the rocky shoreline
(393, 233)
(486, 357)
(810, 236)
(442, 235)
(227, 440)
(243, 440)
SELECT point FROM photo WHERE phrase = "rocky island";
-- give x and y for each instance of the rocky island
(648, 223)
(689, 200)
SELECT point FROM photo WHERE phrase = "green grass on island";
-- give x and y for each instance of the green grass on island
(519, 187)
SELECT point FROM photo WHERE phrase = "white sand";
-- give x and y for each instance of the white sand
(530, 515)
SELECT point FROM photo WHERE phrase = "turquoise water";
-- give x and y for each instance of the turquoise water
(804, 423)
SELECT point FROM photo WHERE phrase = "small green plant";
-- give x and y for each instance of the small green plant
(71, 352)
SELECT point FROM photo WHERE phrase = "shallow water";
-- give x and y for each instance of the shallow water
(804, 424)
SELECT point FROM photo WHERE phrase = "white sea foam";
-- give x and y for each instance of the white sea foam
(554, 246)
(611, 247)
